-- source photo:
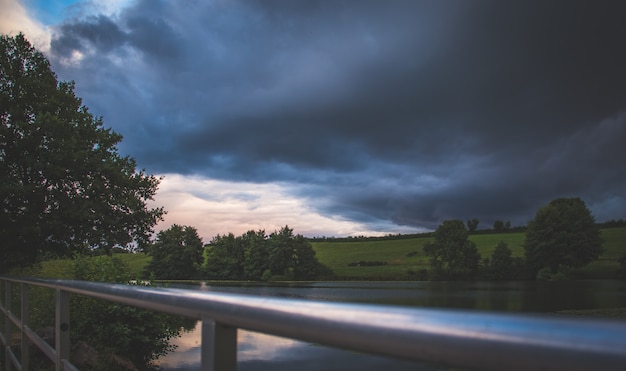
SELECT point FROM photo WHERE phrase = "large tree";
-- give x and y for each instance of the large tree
(177, 253)
(472, 225)
(64, 187)
(451, 253)
(226, 255)
(256, 256)
(563, 233)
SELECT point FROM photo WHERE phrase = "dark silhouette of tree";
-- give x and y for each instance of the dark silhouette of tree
(472, 225)
(281, 249)
(451, 253)
(563, 233)
(64, 188)
(225, 258)
(177, 253)
(501, 263)
(256, 256)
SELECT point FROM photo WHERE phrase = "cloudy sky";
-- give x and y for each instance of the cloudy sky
(351, 117)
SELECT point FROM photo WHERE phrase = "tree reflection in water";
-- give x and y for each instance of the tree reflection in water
(260, 352)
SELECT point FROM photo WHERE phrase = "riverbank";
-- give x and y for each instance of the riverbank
(403, 259)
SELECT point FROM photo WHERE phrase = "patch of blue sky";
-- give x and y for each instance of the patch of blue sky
(53, 12)
(49, 12)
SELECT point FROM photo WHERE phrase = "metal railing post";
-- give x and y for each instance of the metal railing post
(62, 328)
(24, 317)
(7, 325)
(219, 346)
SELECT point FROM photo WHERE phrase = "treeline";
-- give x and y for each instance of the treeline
(562, 236)
(256, 256)
(178, 253)
(613, 223)
(389, 237)
(471, 225)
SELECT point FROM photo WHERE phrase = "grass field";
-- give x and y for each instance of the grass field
(337, 255)
(135, 262)
(399, 265)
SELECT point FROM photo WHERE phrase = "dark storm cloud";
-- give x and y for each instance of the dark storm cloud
(406, 111)
(100, 31)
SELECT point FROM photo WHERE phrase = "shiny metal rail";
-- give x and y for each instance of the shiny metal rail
(470, 339)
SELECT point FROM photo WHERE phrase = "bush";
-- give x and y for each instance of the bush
(117, 332)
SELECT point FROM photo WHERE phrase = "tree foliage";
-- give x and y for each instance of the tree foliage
(500, 226)
(256, 256)
(65, 187)
(472, 224)
(177, 253)
(563, 233)
(502, 265)
(451, 253)
(116, 332)
(226, 258)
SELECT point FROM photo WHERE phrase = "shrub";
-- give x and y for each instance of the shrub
(115, 331)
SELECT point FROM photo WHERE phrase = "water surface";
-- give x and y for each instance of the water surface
(259, 352)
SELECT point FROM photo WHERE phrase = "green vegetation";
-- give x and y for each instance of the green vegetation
(177, 253)
(258, 257)
(109, 332)
(65, 189)
(563, 235)
(338, 256)
(134, 262)
(406, 260)
(614, 247)
(452, 254)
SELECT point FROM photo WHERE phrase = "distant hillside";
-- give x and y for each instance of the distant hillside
(404, 259)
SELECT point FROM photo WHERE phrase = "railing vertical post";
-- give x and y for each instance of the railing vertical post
(62, 328)
(219, 346)
(7, 324)
(24, 317)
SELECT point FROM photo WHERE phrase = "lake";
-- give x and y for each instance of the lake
(260, 352)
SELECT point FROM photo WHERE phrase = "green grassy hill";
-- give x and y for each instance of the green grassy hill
(135, 262)
(404, 258)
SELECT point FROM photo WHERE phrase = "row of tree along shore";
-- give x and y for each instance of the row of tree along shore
(562, 237)
(178, 253)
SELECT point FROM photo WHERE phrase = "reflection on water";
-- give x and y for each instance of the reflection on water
(257, 352)
(260, 352)
(250, 346)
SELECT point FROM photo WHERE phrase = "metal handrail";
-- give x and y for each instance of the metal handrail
(472, 339)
